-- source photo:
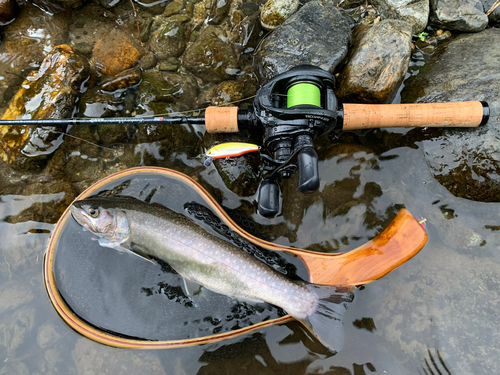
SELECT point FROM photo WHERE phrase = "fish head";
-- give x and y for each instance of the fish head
(104, 220)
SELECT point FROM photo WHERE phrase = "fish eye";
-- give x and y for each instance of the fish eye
(93, 212)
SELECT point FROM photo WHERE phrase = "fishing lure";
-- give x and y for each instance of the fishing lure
(229, 149)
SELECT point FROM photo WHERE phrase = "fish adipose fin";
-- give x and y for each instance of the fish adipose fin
(325, 323)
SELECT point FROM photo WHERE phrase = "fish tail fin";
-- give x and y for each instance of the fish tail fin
(325, 322)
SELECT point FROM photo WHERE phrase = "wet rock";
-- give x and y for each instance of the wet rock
(211, 57)
(96, 103)
(246, 31)
(218, 11)
(364, 14)
(109, 99)
(168, 38)
(154, 7)
(94, 359)
(414, 12)
(492, 8)
(18, 326)
(121, 81)
(317, 34)
(108, 3)
(377, 64)
(172, 8)
(22, 51)
(50, 92)
(13, 295)
(8, 11)
(62, 194)
(459, 15)
(239, 174)
(115, 52)
(275, 12)
(165, 92)
(89, 24)
(227, 92)
(465, 161)
(58, 5)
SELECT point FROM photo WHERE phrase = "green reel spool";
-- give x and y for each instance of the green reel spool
(303, 93)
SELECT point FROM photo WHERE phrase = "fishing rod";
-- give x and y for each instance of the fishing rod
(292, 110)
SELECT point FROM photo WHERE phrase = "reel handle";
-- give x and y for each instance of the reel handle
(452, 114)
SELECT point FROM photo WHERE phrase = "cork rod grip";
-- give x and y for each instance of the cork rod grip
(221, 119)
(453, 114)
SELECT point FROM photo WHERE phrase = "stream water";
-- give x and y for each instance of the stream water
(435, 314)
(437, 311)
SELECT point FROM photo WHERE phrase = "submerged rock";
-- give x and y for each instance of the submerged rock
(211, 57)
(465, 161)
(58, 5)
(218, 11)
(317, 34)
(166, 92)
(26, 41)
(95, 359)
(459, 15)
(15, 331)
(115, 52)
(50, 92)
(13, 295)
(378, 64)
(62, 194)
(169, 37)
(8, 10)
(415, 12)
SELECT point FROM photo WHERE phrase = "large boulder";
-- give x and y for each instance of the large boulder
(460, 15)
(416, 12)
(318, 34)
(466, 161)
(377, 64)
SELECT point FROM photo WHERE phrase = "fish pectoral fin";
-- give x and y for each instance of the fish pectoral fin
(191, 288)
(122, 249)
(141, 255)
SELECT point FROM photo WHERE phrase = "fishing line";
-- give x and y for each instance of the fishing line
(303, 93)
(78, 138)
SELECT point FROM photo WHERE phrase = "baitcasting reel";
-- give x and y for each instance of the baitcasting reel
(299, 105)
(293, 108)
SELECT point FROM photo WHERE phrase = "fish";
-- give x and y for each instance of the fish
(152, 231)
(229, 149)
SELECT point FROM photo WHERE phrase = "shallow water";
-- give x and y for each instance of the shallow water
(438, 310)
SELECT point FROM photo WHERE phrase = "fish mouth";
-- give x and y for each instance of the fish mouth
(81, 218)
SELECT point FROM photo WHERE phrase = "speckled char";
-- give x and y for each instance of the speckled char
(198, 256)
